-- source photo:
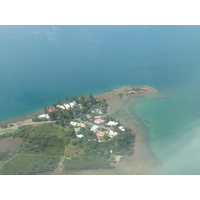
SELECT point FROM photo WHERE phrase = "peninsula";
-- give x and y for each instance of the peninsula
(78, 134)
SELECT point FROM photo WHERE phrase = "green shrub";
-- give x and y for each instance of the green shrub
(30, 164)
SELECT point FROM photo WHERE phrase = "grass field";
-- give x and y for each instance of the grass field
(8, 131)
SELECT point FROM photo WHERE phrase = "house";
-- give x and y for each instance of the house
(79, 135)
(88, 116)
(94, 128)
(60, 106)
(81, 125)
(72, 104)
(99, 121)
(50, 110)
(112, 133)
(98, 117)
(67, 106)
(121, 128)
(112, 123)
(100, 135)
(74, 123)
(44, 116)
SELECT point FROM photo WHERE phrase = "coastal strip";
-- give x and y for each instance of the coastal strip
(143, 160)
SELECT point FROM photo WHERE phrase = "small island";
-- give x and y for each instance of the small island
(77, 134)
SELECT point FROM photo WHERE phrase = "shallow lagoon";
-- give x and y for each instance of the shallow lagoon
(84, 59)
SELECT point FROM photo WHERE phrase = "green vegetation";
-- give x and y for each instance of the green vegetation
(5, 156)
(41, 130)
(41, 150)
(87, 162)
(8, 131)
(29, 164)
(44, 144)
(4, 126)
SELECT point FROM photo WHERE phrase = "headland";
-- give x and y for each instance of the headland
(143, 160)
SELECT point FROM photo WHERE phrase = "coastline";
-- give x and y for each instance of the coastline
(143, 160)
(28, 116)
(22, 119)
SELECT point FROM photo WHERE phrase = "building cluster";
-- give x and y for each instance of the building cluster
(67, 106)
(96, 127)
(64, 106)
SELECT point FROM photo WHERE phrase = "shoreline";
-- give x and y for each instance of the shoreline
(28, 116)
(143, 161)
(21, 119)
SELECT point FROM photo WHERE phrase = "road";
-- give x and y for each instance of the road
(27, 123)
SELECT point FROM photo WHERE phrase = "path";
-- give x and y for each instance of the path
(60, 167)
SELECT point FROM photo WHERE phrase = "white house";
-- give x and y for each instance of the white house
(60, 106)
(98, 117)
(72, 104)
(94, 128)
(67, 106)
(112, 133)
(112, 123)
(79, 136)
(44, 116)
(121, 128)
(74, 123)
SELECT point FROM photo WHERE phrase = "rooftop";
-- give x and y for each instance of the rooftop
(99, 121)
(100, 133)
(112, 123)
(79, 136)
(51, 110)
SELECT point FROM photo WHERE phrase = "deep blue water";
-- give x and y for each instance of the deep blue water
(40, 64)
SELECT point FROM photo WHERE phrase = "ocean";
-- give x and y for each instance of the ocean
(41, 64)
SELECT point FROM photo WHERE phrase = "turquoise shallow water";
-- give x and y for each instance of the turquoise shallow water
(40, 64)
(174, 134)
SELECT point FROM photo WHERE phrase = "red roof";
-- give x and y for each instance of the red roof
(100, 133)
(51, 110)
